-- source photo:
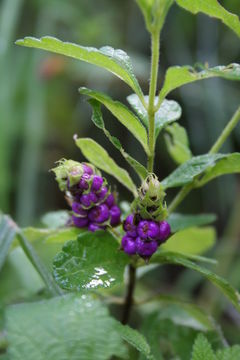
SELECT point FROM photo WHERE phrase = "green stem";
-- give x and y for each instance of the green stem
(226, 132)
(152, 93)
(218, 144)
(38, 265)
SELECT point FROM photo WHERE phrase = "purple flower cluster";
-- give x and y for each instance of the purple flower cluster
(93, 205)
(143, 236)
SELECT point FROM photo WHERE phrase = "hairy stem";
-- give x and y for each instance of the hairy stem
(129, 296)
(214, 149)
(151, 102)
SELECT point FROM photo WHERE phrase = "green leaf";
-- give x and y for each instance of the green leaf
(134, 338)
(100, 158)
(122, 113)
(222, 284)
(202, 349)
(7, 235)
(228, 165)
(55, 219)
(146, 8)
(177, 142)
(230, 353)
(68, 327)
(182, 221)
(186, 172)
(115, 61)
(193, 241)
(168, 112)
(90, 262)
(177, 76)
(97, 119)
(213, 9)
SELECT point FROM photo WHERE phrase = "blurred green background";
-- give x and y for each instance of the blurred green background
(41, 110)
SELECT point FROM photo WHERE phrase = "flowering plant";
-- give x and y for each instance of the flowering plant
(100, 237)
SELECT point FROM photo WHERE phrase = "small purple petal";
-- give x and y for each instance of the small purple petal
(110, 200)
(129, 226)
(148, 229)
(80, 222)
(83, 183)
(164, 230)
(88, 199)
(102, 193)
(94, 227)
(87, 169)
(146, 248)
(76, 207)
(96, 183)
(129, 245)
(115, 214)
(99, 214)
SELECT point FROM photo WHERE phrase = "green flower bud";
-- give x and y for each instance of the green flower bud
(68, 173)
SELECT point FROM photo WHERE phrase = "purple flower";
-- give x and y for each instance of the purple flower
(110, 200)
(164, 230)
(129, 245)
(146, 248)
(83, 183)
(99, 214)
(115, 214)
(96, 183)
(79, 221)
(87, 169)
(76, 207)
(94, 227)
(129, 226)
(88, 199)
(102, 193)
(148, 229)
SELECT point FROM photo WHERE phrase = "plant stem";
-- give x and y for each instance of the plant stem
(152, 92)
(226, 132)
(129, 296)
(39, 266)
(218, 144)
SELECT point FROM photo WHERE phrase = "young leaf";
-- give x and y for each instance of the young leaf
(122, 113)
(177, 143)
(222, 284)
(193, 241)
(228, 165)
(90, 262)
(100, 158)
(99, 122)
(230, 353)
(177, 76)
(186, 172)
(68, 327)
(134, 338)
(115, 61)
(168, 112)
(213, 9)
(182, 221)
(7, 235)
(202, 349)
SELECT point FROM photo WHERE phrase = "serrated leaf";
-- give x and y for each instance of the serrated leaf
(214, 9)
(202, 349)
(99, 122)
(230, 353)
(177, 76)
(7, 235)
(134, 338)
(183, 221)
(186, 172)
(228, 165)
(99, 157)
(90, 262)
(68, 327)
(115, 61)
(168, 112)
(177, 142)
(122, 113)
(192, 241)
(222, 284)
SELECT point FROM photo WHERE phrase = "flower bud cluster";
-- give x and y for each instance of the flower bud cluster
(92, 203)
(143, 236)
